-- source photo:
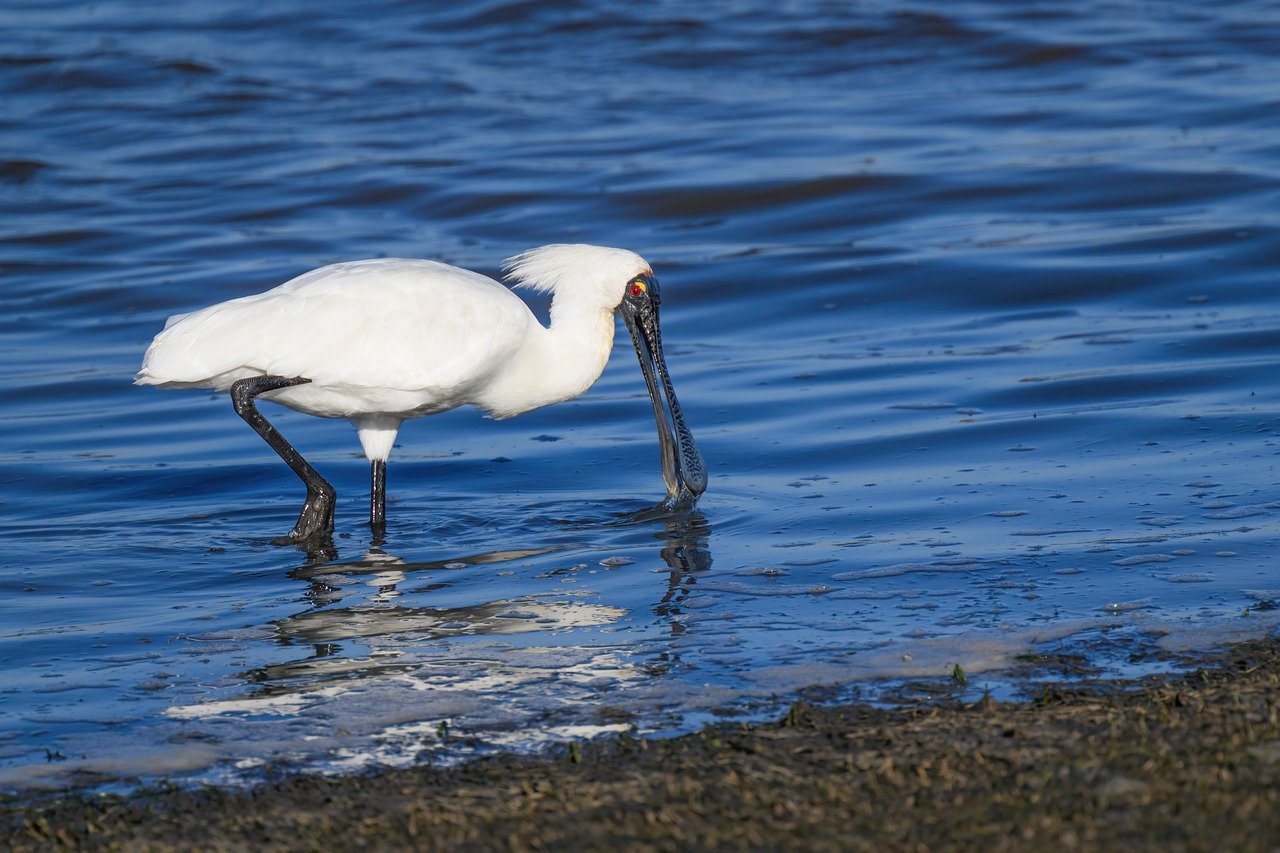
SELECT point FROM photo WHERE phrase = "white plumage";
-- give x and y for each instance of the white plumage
(390, 339)
(382, 341)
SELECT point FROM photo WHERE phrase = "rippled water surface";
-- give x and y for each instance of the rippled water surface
(973, 308)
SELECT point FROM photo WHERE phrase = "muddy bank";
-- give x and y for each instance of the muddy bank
(1191, 762)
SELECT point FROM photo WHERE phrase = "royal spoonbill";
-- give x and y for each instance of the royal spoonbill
(380, 341)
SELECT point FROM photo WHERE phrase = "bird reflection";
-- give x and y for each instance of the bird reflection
(687, 554)
(320, 549)
(379, 615)
(377, 560)
(388, 629)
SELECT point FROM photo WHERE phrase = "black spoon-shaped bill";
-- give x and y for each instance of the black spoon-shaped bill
(683, 468)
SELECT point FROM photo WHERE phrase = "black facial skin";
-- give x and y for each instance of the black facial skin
(683, 469)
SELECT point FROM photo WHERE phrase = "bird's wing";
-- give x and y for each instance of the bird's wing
(387, 323)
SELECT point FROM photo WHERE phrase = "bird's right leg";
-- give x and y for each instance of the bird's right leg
(316, 519)
(378, 498)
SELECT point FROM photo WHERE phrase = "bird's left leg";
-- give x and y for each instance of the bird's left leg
(316, 519)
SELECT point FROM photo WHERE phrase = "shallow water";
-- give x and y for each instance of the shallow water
(972, 307)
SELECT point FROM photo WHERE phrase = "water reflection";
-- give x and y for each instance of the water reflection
(379, 617)
(390, 631)
(387, 628)
(687, 553)
(376, 560)
(393, 639)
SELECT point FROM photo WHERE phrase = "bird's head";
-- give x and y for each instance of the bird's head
(577, 275)
(621, 281)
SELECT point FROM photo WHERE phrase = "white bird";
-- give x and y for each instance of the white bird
(381, 341)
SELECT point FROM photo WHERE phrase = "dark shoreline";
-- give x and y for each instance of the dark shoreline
(1188, 761)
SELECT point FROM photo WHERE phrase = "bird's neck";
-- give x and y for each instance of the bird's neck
(556, 363)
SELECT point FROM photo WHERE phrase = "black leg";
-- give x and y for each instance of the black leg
(378, 497)
(316, 519)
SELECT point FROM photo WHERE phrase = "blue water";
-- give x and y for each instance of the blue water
(973, 307)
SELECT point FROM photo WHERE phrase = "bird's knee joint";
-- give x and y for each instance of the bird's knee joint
(242, 398)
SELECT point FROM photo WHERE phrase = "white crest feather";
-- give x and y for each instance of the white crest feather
(547, 268)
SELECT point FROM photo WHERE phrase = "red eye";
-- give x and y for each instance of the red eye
(637, 288)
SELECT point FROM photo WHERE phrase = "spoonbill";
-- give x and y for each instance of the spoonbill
(381, 341)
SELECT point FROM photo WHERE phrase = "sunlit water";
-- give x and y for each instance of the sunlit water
(973, 308)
